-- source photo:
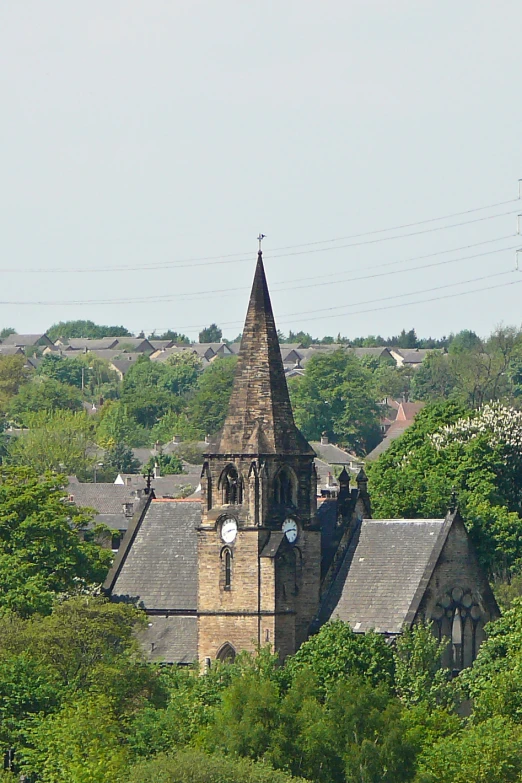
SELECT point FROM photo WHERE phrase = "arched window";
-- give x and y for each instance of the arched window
(230, 485)
(284, 488)
(227, 568)
(226, 653)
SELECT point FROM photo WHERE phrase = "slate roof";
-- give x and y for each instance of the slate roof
(386, 567)
(332, 454)
(89, 344)
(164, 486)
(171, 639)
(158, 562)
(27, 339)
(11, 350)
(108, 500)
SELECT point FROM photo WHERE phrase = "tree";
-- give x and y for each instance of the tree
(61, 441)
(419, 677)
(6, 331)
(336, 652)
(176, 337)
(199, 767)
(88, 329)
(435, 379)
(212, 334)
(208, 407)
(336, 396)
(169, 464)
(65, 370)
(463, 341)
(43, 395)
(495, 680)
(82, 743)
(120, 459)
(479, 453)
(117, 426)
(41, 552)
(13, 375)
(490, 752)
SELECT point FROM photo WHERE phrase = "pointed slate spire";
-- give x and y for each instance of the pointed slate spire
(260, 418)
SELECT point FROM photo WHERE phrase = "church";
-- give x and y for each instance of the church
(255, 560)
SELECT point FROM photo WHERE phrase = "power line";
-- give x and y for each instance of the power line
(231, 258)
(165, 298)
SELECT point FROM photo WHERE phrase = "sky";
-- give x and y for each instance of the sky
(146, 143)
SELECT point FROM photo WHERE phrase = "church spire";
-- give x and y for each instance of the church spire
(260, 418)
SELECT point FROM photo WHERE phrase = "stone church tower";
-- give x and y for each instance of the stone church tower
(259, 543)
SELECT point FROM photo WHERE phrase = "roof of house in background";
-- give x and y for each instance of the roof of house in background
(27, 339)
(87, 344)
(160, 345)
(332, 454)
(164, 486)
(385, 566)
(11, 350)
(377, 352)
(115, 505)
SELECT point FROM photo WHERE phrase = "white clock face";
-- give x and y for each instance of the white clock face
(290, 530)
(229, 530)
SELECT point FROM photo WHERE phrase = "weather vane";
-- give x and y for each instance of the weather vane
(260, 239)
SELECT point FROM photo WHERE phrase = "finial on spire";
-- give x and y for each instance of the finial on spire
(260, 239)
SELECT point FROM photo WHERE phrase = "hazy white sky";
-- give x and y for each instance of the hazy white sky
(141, 133)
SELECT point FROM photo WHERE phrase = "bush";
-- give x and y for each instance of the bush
(193, 766)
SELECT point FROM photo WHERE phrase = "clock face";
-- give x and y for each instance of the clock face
(229, 530)
(290, 530)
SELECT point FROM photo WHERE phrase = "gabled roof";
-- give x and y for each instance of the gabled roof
(27, 339)
(385, 572)
(333, 454)
(157, 561)
(260, 395)
(10, 350)
(89, 344)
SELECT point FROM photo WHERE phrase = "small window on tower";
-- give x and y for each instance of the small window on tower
(231, 486)
(228, 570)
(284, 493)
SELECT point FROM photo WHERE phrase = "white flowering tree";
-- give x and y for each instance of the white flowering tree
(478, 453)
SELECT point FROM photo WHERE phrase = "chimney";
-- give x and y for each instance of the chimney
(128, 509)
(207, 439)
(176, 439)
(128, 480)
(324, 439)
(157, 473)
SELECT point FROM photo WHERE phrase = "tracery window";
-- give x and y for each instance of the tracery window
(226, 654)
(458, 618)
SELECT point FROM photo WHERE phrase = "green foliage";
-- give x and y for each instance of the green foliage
(212, 334)
(64, 370)
(208, 407)
(87, 329)
(335, 396)
(6, 331)
(495, 681)
(116, 425)
(60, 441)
(490, 752)
(176, 337)
(169, 464)
(13, 375)
(43, 394)
(478, 456)
(120, 458)
(41, 553)
(194, 766)
(463, 341)
(435, 379)
(82, 743)
(336, 652)
(174, 424)
(419, 678)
